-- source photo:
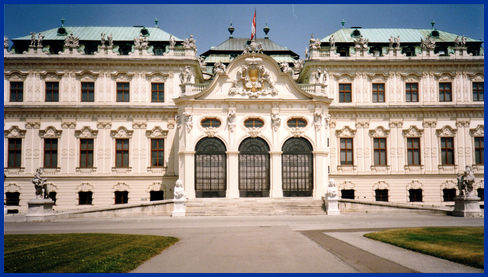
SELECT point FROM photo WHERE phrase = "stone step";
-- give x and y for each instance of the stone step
(254, 206)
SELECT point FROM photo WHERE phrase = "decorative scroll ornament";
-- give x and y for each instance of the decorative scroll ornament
(296, 131)
(253, 131)
(253, 80)
(210, 131)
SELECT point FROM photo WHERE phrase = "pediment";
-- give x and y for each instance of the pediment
(253, 76)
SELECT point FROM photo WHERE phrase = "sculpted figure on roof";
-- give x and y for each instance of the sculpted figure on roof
(361, 43)
(172, 41)
(285, 67)
(314, 43)
(102, 39)
(428, 42)
(5, 42)
(190, 43)
(33, 39)
(332, 41)
(39, 40)
(397, 41)
(298, 65)
(219, 68)
(392, 40)
(110, 41)
(463, 41)
(457, 42)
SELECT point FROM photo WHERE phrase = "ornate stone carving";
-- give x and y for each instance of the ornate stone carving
(463, 123)
(157, 132)
(188, 121)
(332, 41)
(380, 185)
(275, 121)
(104, 125)
(186, 77)
(86, 132)
(121, 187)
(314, 43)
(172, 42)
(189, 44)
(253, 80)
(210, 131)
(15, 132)
(413, 131)
(139, 125)
(361, 43)
(285, 68)
(40, 185)
(297, 131)
(219, 68)
(84, 187)
(430, 124)
(362, 124)
(298, 65)
(12, 188)
(346, 132)
(318, 120)
(141, 42)
(33, 125)
(231, 119)
(478, 131)
(253, 131)
(253, 48)
(71, 41)
(50, 132)
(446, 131)
(121, 132)
(68, 125)
(320, 76)
(203, 64)
(428, 42)
(379, 132)
(415, 184)
(346, 185)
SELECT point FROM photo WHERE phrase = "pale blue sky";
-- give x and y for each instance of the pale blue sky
(290, 25)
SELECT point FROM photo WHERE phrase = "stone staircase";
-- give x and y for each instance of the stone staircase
(254, 206)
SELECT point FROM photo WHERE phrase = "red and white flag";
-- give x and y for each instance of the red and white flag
(253, 30)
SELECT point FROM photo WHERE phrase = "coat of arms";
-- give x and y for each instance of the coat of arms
(253, 79)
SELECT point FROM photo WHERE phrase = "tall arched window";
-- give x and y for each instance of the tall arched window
(297, 160)
(254, 168)
(210, 168)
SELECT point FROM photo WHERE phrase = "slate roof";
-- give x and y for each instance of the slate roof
(94, 33)
(382, 35)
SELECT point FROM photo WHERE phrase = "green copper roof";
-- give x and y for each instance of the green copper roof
(93, 33)
(380, 35)
(238, 44)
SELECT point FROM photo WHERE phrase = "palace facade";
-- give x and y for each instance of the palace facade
(116, 115)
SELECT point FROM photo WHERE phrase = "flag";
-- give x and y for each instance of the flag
(253, 30)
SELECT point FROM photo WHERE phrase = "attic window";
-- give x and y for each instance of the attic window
(356, 33)
(62, 31)
(144, 32)
(435, 33)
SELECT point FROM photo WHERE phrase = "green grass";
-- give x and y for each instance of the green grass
(67, 253)
(461, 245)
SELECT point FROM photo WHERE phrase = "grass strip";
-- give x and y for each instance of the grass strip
(461, 245)
(76, 253)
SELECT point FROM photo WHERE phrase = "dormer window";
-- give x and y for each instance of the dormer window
(62, 31)
(435, 34)
(253, 123)
(297, 123)
(144, 32)
(356, 33)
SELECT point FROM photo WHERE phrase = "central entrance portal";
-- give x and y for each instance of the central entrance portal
(254, 168)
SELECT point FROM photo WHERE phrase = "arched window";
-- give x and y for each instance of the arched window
(253, 123)
(254, 166)
(297, 164)
(210, 168)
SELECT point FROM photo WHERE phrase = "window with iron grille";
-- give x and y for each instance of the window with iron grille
(156, 195)
(478, 91)
(345, 93)
(445, 92)
(381, 195)
(13, 198)
(346, 151)
(448, 194)
(16, 91)
(379, 151)
(14, 152)
(479, 150)
(122, 153)
(157, 152)
(87, 92)
(85, 197)
(413, 151)
(412, 92)
(378, 92)
(86, 152)
(297, 168)
(254, 123)
(347, 194)
(447, 151)
(52, 91)
(210, 168)
(123, 92)
(481, 194)
(157, 92)
(121, 197)
(297, 123)
(50, 152)
(211, 122)
(415, 195)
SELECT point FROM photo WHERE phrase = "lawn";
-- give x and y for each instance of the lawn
(461, 245)
(87, 253)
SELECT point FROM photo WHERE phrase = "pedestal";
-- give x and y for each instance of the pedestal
(39, 210)
(467, 206)
(179, 207)
(333, 206)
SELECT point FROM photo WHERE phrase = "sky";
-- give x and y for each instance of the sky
(291, 25)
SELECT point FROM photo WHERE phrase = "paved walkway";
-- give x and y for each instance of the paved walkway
(269, 243)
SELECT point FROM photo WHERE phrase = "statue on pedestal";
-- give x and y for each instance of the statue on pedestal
(40, 185)
(465, 182)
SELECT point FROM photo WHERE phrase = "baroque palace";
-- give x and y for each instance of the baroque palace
(116, 115)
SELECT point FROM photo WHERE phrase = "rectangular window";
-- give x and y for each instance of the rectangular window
(479, 150)
(381, 195)
(85, 197)
(52, 196)
(88, 92)
(448, 194)
(347, 194)
(50, 152)
(413, 151)
(157, 92)
(481, 194)
(13, 198)
(412, 92)
(379, 151)
(478, 91)
(16, 91)
(445, 92)
(86, 152)
(415, 195)
(157, 152)
(122, 153)
(447, 151)
(346, 151)
(14, 152)
(52, 91)
(378, 92)
(121, 197)
(156, 195)
(345, 93)
(122, 92)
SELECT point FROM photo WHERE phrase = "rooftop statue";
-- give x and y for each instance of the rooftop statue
(361, 43)
(397, 41)
(102, 40)
(40, 185)
(332, 41)
(314, 43)
(172, 41)
(391, 40)
(39, 40)
(253, 48)
(71, 41)
(33, 39)
(463, 41)
(5, 42)
(110, 41)
(457, 42)
(219, 68)
(428, 43)
(285, 67)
